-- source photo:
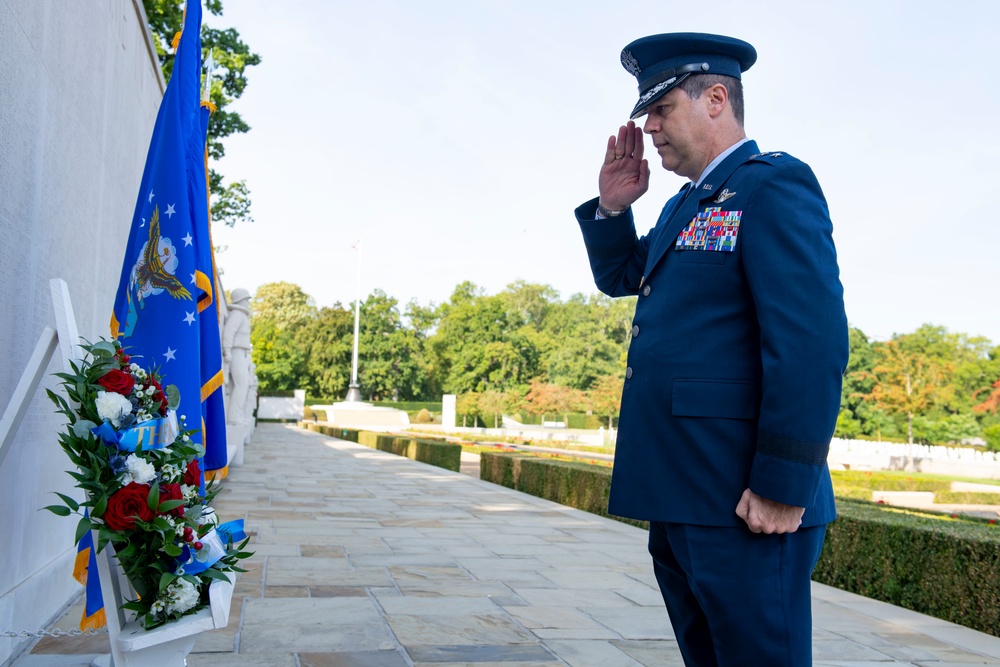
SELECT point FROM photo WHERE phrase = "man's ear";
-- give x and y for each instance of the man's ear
(717, 98)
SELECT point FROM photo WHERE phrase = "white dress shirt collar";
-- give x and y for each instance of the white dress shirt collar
(718, 159)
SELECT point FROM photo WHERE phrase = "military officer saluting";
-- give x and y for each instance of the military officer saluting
(738, 346)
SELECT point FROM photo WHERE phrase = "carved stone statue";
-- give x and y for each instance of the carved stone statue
(251, 398)
(236, 356)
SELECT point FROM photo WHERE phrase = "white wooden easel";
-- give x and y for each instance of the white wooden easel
(131, 645)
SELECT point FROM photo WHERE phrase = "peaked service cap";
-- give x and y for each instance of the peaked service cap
(661, 62)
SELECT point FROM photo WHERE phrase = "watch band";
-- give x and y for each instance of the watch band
(606, 213)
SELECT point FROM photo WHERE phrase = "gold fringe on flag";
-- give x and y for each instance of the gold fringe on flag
(94, 622)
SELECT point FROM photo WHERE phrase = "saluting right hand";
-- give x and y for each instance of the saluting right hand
(624, 175)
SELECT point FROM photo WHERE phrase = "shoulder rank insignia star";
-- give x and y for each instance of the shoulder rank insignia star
(776, 154)
(724, 195)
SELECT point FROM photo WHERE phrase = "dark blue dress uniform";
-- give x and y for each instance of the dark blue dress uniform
(733, 381)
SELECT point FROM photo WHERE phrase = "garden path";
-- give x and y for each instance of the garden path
(368, 559)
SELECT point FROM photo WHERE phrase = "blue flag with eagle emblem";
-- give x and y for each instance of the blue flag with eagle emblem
(166, 308)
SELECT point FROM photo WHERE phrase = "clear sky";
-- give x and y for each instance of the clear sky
(455, 138)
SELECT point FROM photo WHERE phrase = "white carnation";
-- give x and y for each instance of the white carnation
(139, 469)
(112, 407)
(181, 596)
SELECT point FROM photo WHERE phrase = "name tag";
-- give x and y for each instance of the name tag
(712, 229)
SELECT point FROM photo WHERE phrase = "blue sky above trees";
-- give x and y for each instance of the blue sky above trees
(456, 138)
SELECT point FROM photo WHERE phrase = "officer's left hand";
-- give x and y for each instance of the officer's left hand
(767, 516)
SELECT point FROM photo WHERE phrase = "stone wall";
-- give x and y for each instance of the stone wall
(79, 90)
(281, 407)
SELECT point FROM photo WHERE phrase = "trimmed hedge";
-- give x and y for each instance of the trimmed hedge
(922, 561)
(584, 486)
(438, 453)
(926, 562)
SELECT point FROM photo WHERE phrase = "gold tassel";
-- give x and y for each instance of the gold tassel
(177, 41)
(208, 105)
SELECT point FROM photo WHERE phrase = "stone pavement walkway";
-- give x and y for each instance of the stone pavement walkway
(365, 559)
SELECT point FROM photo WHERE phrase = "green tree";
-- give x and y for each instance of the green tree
(483, 343)
(545, 398)
(951, 429)
(606, 397)
(278, 312)
(327, 342)
(467, 405)
(857, 387)
(280, 364)
(969, 367)
(493, 403)
(389, 355)
(847, 426)
(591, 340)
(992, 436)
(905, 382)
(231, 202)
(283, 303)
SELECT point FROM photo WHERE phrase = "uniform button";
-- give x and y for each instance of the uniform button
(645, 290)
(635, 330)
(628, 373)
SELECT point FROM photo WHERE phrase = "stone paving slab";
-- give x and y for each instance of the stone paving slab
(368, 559)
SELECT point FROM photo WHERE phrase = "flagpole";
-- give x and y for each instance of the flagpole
(354, 390)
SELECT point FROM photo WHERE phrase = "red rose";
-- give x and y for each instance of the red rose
(192, 476)
(126, 504)
(172, 492)
(117, 381)
(159, 396)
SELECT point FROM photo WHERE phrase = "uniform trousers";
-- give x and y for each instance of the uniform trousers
(737, 598)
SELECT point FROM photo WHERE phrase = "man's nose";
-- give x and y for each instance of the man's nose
(650, 125)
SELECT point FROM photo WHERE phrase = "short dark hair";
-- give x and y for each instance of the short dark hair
(696, 84)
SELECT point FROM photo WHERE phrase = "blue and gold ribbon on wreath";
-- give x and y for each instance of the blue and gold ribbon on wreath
(151, 434)
(213, 548)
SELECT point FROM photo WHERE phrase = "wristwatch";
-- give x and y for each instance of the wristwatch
(606, 213)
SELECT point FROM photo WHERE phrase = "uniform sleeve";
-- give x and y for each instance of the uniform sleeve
(617, 257)
(791, 267)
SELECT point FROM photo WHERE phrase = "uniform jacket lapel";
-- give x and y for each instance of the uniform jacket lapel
(672, 224)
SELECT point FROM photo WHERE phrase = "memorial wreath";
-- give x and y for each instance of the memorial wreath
(144, 489)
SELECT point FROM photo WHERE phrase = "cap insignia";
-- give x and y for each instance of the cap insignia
(630, 63)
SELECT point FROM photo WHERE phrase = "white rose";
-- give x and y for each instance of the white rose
(182, 595)
(141, 470)
(112, 407)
